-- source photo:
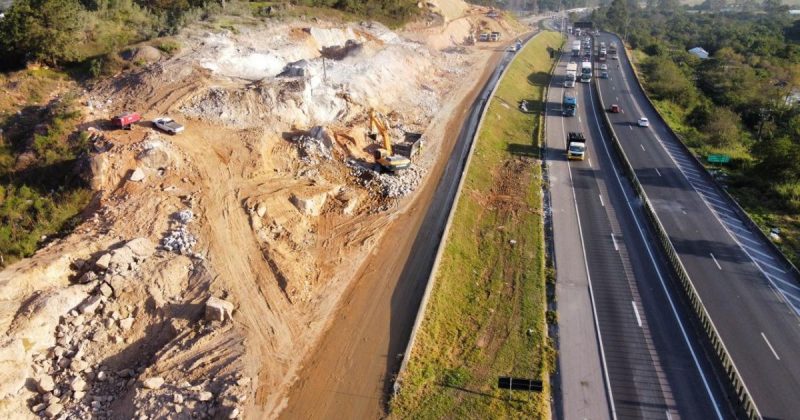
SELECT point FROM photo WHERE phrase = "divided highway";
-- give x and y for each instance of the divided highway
(750, 294)
(649, 363)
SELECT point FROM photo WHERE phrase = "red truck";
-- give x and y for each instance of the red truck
(125, 120)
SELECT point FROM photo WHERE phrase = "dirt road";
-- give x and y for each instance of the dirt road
(351, 370)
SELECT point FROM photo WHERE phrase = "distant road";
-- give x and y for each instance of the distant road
(751, 296)
(654, 365)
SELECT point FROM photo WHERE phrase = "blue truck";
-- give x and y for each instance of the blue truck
(570, 105)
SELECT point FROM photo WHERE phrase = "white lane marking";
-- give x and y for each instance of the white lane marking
(589, 160)
(636, 311)
(770, 346)
(669, 416)
(601, 200)
(793, 286)
(614, 241)
(715, 260)
(659, 173)
(642, 146)
(591, 290)
(655, 266)
(683, 211)
(630, 126)
(759, 252)
(778, 269)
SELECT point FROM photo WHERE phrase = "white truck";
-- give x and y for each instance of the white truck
(572, 74)
(586, 71)
(576, 48)
(167, 124)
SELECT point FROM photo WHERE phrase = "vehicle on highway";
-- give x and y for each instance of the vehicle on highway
(576, 48)
(168, 125)
(604, 74)
(570, 105)
(644, 122)
(615, 109)
(576, 146)
(586, 71)
(604, 66)
(572, 74)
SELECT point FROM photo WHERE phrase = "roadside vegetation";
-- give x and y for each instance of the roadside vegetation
(486, 314)
(41, 190)
(741, 102)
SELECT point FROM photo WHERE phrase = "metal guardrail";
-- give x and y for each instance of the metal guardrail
(732, 373)
(741, 211)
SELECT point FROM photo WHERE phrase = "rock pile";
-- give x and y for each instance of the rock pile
(71, 382)
(314, 146)
(178, 238)
(401, 183)
(158, 398)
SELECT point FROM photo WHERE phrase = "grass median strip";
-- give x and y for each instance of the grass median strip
(486, 315)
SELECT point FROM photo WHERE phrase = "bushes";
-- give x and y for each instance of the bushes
(41, 193)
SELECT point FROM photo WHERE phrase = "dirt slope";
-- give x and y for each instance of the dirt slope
(269, 201)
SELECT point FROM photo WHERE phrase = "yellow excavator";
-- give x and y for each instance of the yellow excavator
(385, 157)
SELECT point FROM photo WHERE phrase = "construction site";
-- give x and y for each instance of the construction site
(211, 262)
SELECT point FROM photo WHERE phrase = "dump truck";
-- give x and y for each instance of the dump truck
(576, 146)
(570, 105)
(126, 120)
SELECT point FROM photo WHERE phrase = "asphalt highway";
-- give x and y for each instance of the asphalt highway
(651, 358)
(751, 296)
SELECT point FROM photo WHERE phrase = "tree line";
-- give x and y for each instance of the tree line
(57, 32)
(740, 100)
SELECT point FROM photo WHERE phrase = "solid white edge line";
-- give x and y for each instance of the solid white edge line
(770, 346)
(614, 241)
(658, 270)
(636, 312)
(774, 288)
(589, 279)
(601, 200)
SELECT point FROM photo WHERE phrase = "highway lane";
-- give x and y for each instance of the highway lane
(654, 365)
(744, 285)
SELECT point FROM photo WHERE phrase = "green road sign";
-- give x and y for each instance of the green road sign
(718, 158)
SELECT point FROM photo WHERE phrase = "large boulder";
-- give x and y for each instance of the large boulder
(218, 309)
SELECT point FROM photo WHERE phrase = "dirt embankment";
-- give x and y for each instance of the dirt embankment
(269, 201)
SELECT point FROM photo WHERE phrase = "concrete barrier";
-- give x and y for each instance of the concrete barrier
(440, 250)
(743, 396)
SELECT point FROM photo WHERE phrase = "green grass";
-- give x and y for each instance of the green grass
(486, 315)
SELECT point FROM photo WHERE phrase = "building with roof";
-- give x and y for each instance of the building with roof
(699, 52)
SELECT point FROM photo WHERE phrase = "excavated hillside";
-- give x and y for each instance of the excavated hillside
(212, 260)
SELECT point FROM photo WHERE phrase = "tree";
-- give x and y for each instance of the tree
(723, 128)
(41, 30)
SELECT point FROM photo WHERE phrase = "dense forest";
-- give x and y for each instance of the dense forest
(740, 101)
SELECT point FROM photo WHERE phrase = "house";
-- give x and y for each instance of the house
(699, 52)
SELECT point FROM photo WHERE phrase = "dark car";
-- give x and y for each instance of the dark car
(614, 109)
(604, 75)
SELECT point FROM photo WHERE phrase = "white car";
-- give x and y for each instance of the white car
(644, 122)
(167, 124)
(604, 66)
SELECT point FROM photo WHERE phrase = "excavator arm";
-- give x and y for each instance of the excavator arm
(374, 122)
